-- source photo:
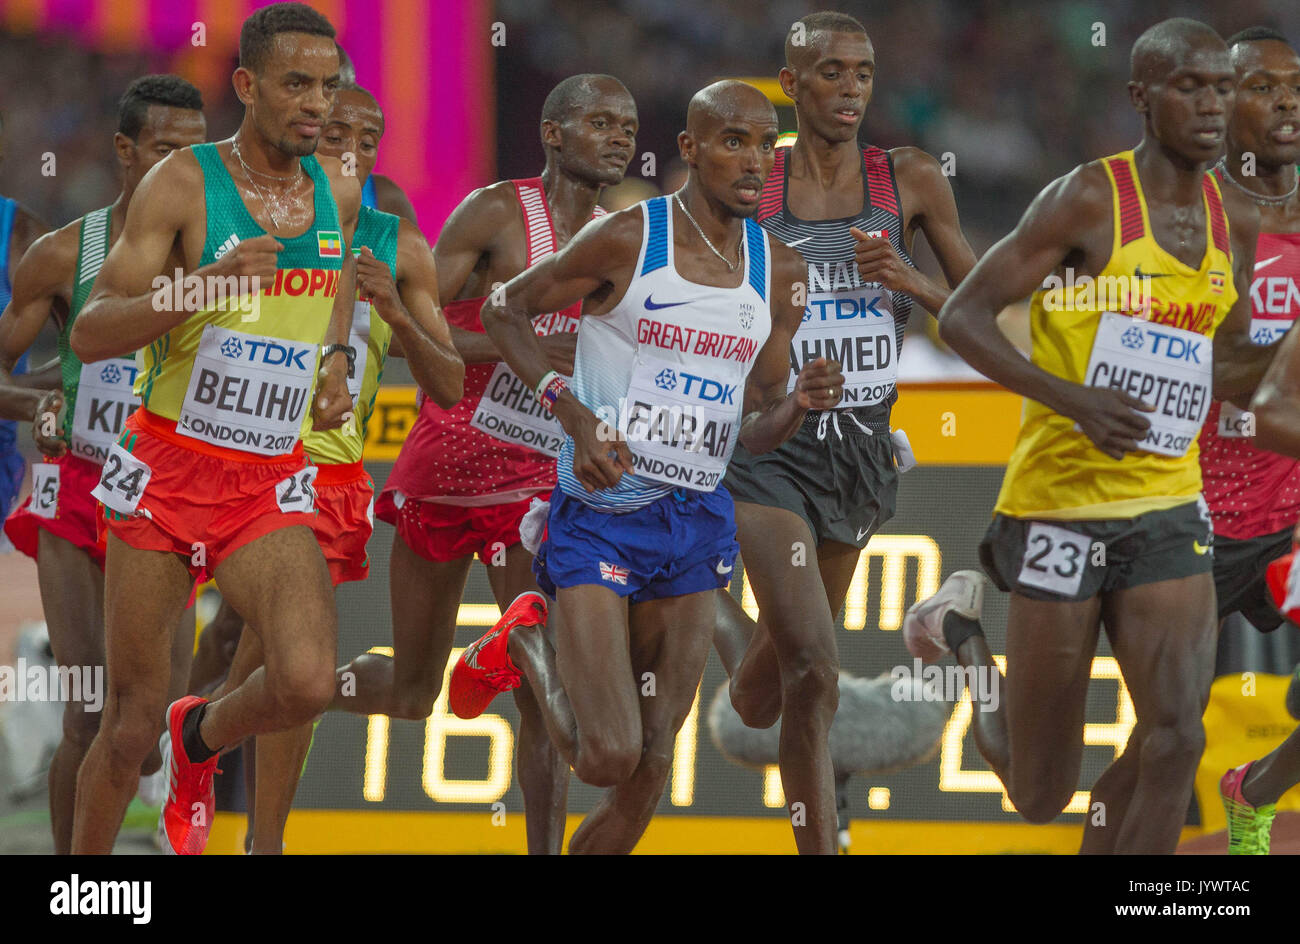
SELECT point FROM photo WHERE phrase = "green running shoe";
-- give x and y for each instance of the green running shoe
(1248, 826)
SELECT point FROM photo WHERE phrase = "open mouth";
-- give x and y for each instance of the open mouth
(1288, 132)
(847, 116)
(749, 193)
(1209, 136)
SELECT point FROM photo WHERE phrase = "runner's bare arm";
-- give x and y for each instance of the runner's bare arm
(42, 287)
(1052, 229)
(1276, 404)
(770, 416)
(927, 196)
(596, 267)
(130, 307)
(1239, 364)
(420, 331)
(332, 403)
(476, 229)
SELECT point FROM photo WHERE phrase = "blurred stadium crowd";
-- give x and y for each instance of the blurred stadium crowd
(1017, 92)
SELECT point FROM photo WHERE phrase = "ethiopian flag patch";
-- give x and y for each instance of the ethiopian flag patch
(330, 244)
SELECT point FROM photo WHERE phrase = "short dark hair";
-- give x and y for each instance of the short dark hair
(347, 71)
(169, 90)
(827, 21)
(257, 36)
(1256, 34)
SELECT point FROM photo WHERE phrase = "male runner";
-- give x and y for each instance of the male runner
(158, 114)
(1100, 516)
(853, 213)
(687, 308)
(211, 472)
(1266, 123)
(378, 191)
(1254, 495)
(457, 490)
(395, 271)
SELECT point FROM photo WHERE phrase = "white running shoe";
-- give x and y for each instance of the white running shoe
(962, 592)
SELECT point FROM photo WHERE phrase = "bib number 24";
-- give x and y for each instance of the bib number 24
(123, 481)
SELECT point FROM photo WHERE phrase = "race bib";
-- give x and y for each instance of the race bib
(1234, 422)
(508, 411)
(1268, 330)
(1169, 368)
(359, 339)
(247, 391)
(296, 492)
(104, 401)
(856, 328)
(680, 426)
(122, 482)
(45, 490)
(1054, 559)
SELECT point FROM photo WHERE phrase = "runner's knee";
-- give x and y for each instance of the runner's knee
(812, 679)
(132, 731)
(80, 725)
(758, 708)
(1174, 747)
(302, 690)
(604, 761)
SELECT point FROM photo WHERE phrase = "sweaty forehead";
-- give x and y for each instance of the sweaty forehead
(1268, 55)
(358, 110)
(167, 122)
(304, 52)
(728, 106)
(849, 48)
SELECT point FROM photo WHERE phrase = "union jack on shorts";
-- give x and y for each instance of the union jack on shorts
(613, 573)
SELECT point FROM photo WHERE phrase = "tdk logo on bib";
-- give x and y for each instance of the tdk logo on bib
(699, 388)
(112, 373)
(1165, 345)
(267, 352)
(844, 308)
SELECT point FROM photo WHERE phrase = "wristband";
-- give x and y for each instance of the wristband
(550, 388)
(348, 351)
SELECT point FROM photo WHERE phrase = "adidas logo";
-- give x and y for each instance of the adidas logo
(231, 242)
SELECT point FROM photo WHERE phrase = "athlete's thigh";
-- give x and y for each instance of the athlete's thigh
(72, 596)
(512, 578)
(425, 598)
(144, 594)
(1164, 638)
(669, 639)
(1050, 647)
(777, 548)
(594, 662)
(837, 563)
(279, 583)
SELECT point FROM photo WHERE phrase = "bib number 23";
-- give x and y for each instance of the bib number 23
(1055, 559)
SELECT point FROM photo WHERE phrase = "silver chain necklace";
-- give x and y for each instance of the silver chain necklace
(261, 195)
(731, 266)
(1261, 199)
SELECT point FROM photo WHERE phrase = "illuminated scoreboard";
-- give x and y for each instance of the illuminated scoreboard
(447, 764)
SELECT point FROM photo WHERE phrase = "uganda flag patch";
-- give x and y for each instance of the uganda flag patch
(330, 244)
(1216, 281)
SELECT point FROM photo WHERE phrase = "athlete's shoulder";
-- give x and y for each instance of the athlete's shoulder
(54, 253)
(27, 227)
(1085, 194)
(622, 227)
(787, 264)
(912, 164)
(498, 202)
(391, 198)
(345, 187)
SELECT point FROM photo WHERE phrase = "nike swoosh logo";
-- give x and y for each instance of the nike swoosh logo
(798, 242)
(651, 306)
(1200, 548)
(1266, 262)
(1151, 275)
(863, 533)
(724, 570)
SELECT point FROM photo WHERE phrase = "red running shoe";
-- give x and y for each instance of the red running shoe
(191, 800)
(484, 669)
